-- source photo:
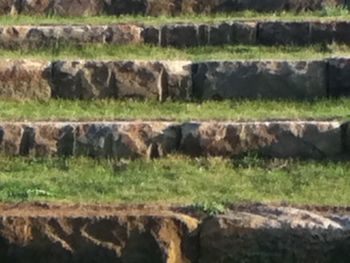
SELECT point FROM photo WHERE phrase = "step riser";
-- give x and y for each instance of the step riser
(157, 7)
(157, 139)
(253, 233)
(175, 80)
(178, 35)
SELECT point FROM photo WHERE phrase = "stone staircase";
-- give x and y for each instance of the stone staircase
(170, 234)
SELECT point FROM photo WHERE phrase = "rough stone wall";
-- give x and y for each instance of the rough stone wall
(177, 35)
(174, 80)
(156, 7)
(255, 233)
(156, 139)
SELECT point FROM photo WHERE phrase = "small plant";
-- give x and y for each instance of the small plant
(334, 11)
(211, 208)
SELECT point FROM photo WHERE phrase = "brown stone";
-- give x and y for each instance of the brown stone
(275, 139)
(24, 79)
(37, 7)
(11, 138)
(125, 34)
(76, 7)
(46, 140)
(122, 79)
(126, 140)
(9, 7)
(105, 235)
(157, 80)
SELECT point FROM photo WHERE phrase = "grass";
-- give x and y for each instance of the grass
(175, 179)
(328, 13)
(146, 52)
(182, 111)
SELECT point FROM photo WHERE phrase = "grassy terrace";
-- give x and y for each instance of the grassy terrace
(326, 14)
(182, 111)
(175, 179)
(129, 52)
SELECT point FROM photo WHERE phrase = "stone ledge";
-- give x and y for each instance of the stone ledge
(178, 35)
(130, 233)
(154, 139)
(174, 80)
(157, 7)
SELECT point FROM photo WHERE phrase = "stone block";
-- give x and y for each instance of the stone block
(284, 33)
(260, 79)
(339, 77)
(274, 234)
(274, 139)
(24, 80)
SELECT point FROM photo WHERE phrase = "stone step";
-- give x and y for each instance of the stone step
(157, 7)
(153, 139)
(178, 34)
(140, 233)
(175, 80)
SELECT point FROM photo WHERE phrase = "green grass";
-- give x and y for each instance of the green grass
(175, 179)
(129, 52)
(182, 111)
(325, 14)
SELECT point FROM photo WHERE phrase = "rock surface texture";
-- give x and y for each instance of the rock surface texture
(97, 234)
(251, 233)
(178, 35)
(24, 80)
(174, 80)
(156, 7)
(133, 139)
(121, 79)
(274, 234)
(255, 79)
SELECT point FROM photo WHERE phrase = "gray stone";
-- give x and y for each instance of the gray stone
(9, 7)
(273, 234)
(159, 7)
(244, 33)
(49, 233)
(260, 79)
(151, 35)
(122, 7)
(82, 80)
(272, 139)
(179, 35)
(284, 33)
(322, 32)
(125, 34)
(342, 32)
(220, 34)
(339, 77)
